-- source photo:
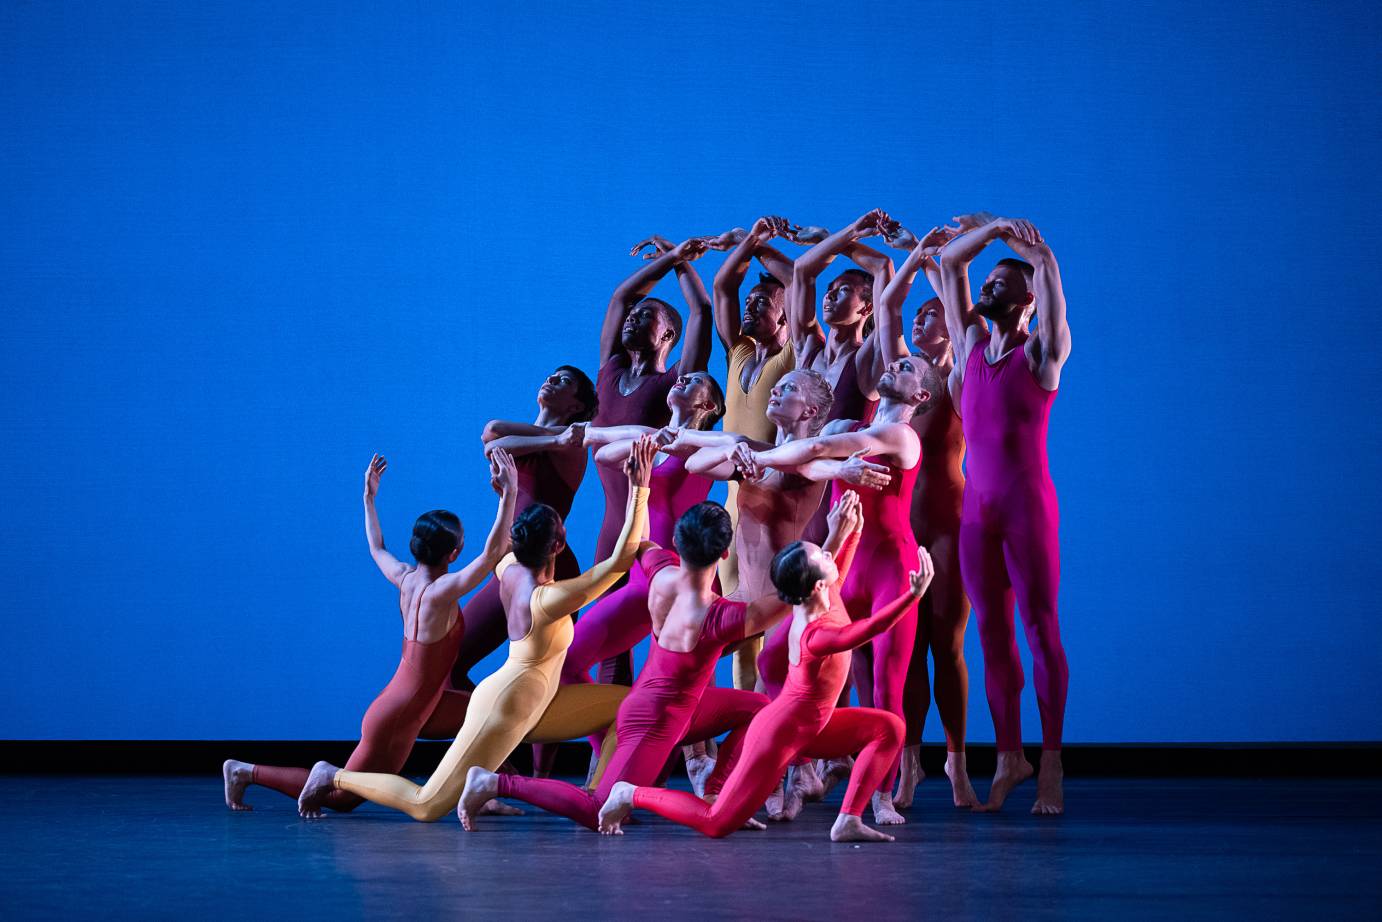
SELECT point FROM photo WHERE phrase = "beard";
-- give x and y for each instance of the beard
(990, 309)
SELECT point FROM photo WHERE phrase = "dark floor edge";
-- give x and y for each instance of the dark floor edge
(182, 757)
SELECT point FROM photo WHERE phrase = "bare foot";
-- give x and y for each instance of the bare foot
(849, 828)
(908, 779)
(498, 808)
(835, 771)
(1050, 788)
(480, 787)
(320, 782)
(698, 769)
(753, 824)
(791, 805)
(883, 812)
(957, 770)
(1013, 769)
(774, 805)
(237, 776)
(807, 783)
(616, 809)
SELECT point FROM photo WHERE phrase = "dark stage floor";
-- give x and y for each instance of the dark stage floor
(158, 847)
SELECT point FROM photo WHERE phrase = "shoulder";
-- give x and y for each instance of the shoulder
(503, 565)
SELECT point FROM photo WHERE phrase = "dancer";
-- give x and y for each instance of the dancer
(670, 702)
(848, 357)
(936, 502)
(432, 629)
(1006, 380)
(548, 473)
(619, 621)
(802, 721)
(887, 545)
(511, 702)
(634, 379)
(758, 353)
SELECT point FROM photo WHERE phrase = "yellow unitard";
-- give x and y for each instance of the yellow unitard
(521, 699)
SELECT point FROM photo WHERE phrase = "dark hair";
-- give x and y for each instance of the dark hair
(703, 534)
(536, 534)
(793, 575)
(1026, 268)
(718, 395)
(669, 314)
(864, 281)
(585, 393)
(768, 280)
(435, 535)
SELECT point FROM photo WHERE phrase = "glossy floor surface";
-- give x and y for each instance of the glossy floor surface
(159, 847)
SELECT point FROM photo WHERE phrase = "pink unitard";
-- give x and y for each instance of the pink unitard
(620, 620)
(645, 406)
(887, 552)
(670, 703)
(849, 403)
(1009, 548)
(802, 722)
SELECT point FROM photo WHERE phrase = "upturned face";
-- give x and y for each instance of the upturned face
(645, 327)
(905, 380)
(929, 324)
(823, 562)
(763, 312)
(692, 393)
(559, 394)
(1003, 294)
(844, 302)
(789, 401)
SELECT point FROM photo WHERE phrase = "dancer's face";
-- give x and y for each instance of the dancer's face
(763, 312)
(905, 380)
(823, 562)
(844, 302)
(558, 394)
(645, 327)
(1004, 294)
(929, 324)
(691, 393)
(789, 401)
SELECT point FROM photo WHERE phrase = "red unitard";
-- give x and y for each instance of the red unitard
(1009, 542)
(646, 406)
(620, 620)
(887, 552)
(416, 695)
(670, 703)
(486, 625)
(802, 722)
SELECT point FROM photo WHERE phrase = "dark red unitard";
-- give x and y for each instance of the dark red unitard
(1009, 539)
(646, 406)
(670, 703)
(802, 723)
(887, 552)
(620, 620)
(486, 625)
(415, 703)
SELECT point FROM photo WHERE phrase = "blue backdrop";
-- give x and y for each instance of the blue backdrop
(245, 246)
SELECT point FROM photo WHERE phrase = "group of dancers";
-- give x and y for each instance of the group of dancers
(875, 493)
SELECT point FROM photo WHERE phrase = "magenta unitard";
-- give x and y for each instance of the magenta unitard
(646, 406)
(620, 620)
(1009, 548)
(802, 723)
(887, 552)
(670, 703)
(849, 403)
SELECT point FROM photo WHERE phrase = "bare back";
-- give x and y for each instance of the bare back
(678, 611)
(428, 616)
(516, 588)
(773, 512)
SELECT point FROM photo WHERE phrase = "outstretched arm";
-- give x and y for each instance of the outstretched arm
(559, 599)
(503, 477)
(1053, 333)
(393, 569)
(805, 330)
(824, 641)
(730, 279)
(875, 440)
(695, 349)
(632, 290)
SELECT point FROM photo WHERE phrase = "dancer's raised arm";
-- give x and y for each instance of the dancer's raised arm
(829, 639)
(695, 349)
(393, 569)
(1053, 332)
(961, 319)
(806, 333)
(503, 478)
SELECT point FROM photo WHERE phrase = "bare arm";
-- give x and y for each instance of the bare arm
(393, 569)
(632, 290)
(875, 440)
(824, 641)
(695, 349)
(1053, 332)
(961, 320)
(801, 294)
(504, 478)
(499, 428)
(778, 265)
(730, 279)
(715, 463)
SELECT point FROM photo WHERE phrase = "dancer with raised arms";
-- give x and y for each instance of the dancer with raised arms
(802, 722)
(509, 705)
(1004, 381)
(416, 701)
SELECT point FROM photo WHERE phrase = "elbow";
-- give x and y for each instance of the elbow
(491, 431)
